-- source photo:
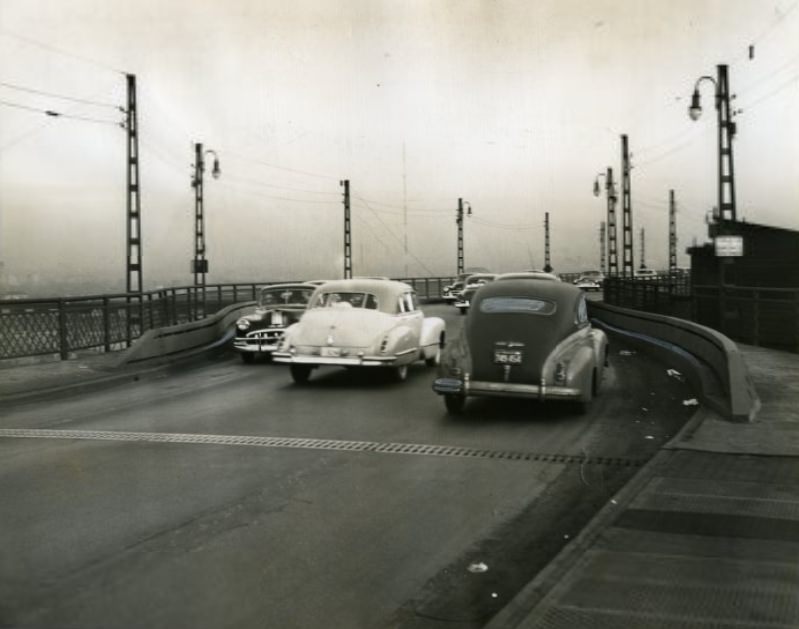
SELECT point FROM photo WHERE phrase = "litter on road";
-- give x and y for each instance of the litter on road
(478, 567)
(649, 437)
(674, 374)
(691, 402)
(626, 352)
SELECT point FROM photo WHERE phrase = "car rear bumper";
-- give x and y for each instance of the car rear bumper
(455, 386)
(344, 361)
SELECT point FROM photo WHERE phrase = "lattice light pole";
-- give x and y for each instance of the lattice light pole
(459, 222)
(547, 265)
(672, 233)
(627, 211)
(133, 282)
(347, 231)
(200, 263)
(610, 191)
(726, 133)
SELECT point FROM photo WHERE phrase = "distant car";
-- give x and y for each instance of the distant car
(362, 323)
(587, 284)
(595, 276)
(471, 284)
(450, 293)
(645, 274)
(279, 306)
(524, 338)
(529, 275)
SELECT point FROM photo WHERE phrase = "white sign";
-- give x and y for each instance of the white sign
(729, 246)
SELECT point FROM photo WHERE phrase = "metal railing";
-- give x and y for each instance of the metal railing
(104, 323)
(750, 314)
(668, 295)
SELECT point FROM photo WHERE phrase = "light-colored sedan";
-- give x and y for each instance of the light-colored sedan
(362, 323)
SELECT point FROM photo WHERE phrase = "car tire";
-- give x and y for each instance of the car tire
(463, 310)
(400, 373)
(434, 360)
(300, 373)
(455, 404)
(247, 358)
(587, 401)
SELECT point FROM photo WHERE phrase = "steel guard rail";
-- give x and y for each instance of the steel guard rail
(696, 347)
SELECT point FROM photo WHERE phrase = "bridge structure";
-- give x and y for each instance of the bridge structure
(174, 486)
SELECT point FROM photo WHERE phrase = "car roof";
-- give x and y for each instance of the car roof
(480, 276)
(528, 275)
(386, 291)
(560, 292)
(306, 285)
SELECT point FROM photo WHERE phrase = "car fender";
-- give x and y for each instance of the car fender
(600, 344)
(433, 329)
(400, 338)
(581, 370)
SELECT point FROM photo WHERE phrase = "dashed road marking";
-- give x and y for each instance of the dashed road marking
(419, 449)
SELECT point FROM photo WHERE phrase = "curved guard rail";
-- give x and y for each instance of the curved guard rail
(728, 387)
(185, 338)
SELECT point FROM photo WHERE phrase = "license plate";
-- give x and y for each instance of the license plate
(331, 352)
(508, 357)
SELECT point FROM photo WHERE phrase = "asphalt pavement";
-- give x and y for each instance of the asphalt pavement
(705, 535)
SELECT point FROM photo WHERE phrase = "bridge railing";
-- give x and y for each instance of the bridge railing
(669, 295)
(104, 323)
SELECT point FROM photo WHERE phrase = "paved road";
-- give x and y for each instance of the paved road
(170, 502)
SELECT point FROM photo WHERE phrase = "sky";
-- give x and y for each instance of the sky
(512, 105)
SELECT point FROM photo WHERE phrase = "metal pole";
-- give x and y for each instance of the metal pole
(547, 265)
(672, 233)
(347, 231)
(459, 221)
(199, 217)
(613, 255)
(602, 263)
(627, 213)
(726, 130)
(133, 281)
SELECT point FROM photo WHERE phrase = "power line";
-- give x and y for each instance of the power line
(273, 198)
(58, 114)
(245, 158)
(72, 99)
(256, 182)
(772, 93)
(33, 42)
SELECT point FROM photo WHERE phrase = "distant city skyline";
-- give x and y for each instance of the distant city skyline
(515, 106)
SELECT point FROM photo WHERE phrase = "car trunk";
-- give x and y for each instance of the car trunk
(344, 326)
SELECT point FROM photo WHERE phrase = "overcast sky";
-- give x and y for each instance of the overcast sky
(514, 105)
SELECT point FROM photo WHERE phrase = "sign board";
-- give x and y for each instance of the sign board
(729, 246)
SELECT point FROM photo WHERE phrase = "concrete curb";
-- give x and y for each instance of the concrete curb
(525, 603)
(700, 349)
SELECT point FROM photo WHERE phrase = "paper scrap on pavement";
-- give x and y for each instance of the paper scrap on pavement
(691, 402)
(478, 567)
(626, 352)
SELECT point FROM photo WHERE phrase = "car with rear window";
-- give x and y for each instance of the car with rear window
(279, 306)
(645, 274)
(526, 338)
(362, 323)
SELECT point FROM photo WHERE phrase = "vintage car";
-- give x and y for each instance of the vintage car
(362, 323)
(587, 284)
(279, 306)
(471, 284)
(524, 338)
(645, 274)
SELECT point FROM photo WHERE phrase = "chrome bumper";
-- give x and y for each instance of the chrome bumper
(341, 361)
(454, 386)
(248, 345)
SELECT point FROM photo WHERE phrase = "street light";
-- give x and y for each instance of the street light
(459, 221)
(199, 264)
(610, 190)
(726, 132)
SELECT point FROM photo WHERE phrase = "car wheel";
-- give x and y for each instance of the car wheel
(247, 358)
(435, 359)
(400, 374)
(588, 397)
(300, 373)
(463, 310)
(455, 404)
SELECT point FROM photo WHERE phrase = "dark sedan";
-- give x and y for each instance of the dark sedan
(524, 338)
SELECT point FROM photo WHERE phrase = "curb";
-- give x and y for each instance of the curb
(530, 598)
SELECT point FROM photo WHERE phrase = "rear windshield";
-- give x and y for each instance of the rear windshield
(517, 305)
(355, 300)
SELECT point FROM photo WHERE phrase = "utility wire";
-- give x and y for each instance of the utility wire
(245, 158)
(256, 182)
(32, 42)
(58, 114)
(72, 99)
(397, 238)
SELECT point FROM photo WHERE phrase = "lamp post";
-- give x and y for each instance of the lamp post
(610, 191)
(459, 221)
(726, 132)
(200, 264)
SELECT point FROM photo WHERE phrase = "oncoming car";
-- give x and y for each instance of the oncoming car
(362, 323)
(524, 338)
(278, 307)
(471, 284)
(587, 284)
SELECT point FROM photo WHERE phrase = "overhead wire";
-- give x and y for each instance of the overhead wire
(72, 99)
(58, 114)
